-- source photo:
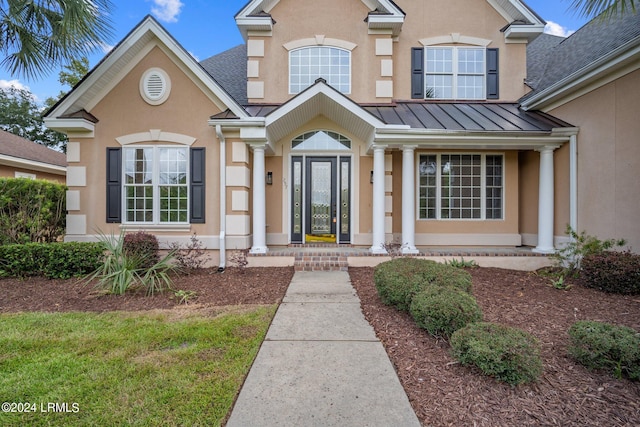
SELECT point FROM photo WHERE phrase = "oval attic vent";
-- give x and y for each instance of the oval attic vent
(155, 86)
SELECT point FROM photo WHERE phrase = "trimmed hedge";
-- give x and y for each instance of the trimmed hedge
(398, 280)
(507, 354)
(31, 211)
(598, 345)
(51, 260)
(443, 310)
(143, 247)
(614, 272)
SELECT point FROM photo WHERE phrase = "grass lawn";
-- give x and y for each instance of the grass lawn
(177, 367)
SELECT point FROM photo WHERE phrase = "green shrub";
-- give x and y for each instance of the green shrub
(569, 257)
(598, 345)
(443, 310)
(142, 246)
(122, 271)
(615, 272)
(53, 260)
(401, 278)
(507, 354)
(31, 211)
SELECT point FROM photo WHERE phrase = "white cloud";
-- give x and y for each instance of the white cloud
(106, 48)
(556, 29)
(167, 10)
(194, 56)
(5, 84)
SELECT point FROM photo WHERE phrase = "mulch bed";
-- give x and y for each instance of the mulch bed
(444, 393)
(232, 287)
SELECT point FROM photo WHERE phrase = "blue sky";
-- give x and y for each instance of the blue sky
(207, 27)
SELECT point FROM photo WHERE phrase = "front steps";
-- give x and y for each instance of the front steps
(321, 261)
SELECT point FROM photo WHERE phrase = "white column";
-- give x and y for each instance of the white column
(545, 202)
(408, 200)
(259, 202)
(378, 200)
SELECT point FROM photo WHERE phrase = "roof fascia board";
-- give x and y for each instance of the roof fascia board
(592, 72)
(323, 89)
(82, 126)
(524, 10)
(32, 164)
(149, 25)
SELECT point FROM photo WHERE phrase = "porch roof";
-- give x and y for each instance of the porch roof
(453, 116)
(466, 116)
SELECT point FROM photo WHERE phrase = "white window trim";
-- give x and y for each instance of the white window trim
(156, 190)
(311, 84)
(454, 73)
(483, 186)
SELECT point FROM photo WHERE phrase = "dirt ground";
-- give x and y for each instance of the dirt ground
(442, 392)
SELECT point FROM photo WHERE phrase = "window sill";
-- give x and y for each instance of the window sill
(156, 227)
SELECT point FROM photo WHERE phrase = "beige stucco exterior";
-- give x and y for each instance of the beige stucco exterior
(608, 158)
(607, 134)
(472, 20)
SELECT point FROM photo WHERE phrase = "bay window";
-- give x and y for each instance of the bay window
(461, 186)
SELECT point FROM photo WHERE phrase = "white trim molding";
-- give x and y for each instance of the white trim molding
(319, 40)
(156, 135)
(455, 38)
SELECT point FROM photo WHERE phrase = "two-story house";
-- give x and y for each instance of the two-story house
(353, 122)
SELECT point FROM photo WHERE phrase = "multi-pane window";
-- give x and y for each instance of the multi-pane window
(156, 187)
(460, 186)
(308, 64)
(455, 73)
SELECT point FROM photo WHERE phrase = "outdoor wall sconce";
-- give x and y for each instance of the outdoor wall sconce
(269, 178)
(371, 177)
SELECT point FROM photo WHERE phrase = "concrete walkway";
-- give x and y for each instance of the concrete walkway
(321, 364)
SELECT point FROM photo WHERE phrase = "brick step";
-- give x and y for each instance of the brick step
(320, 262)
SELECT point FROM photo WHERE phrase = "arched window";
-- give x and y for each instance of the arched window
(321, 141)
(307, 64)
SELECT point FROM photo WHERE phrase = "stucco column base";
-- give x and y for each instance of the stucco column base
(547, 251)
(378, 250)
(259, 250)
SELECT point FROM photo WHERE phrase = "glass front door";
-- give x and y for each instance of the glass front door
(321, 206)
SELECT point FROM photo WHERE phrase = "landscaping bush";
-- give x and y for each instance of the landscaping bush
(569, 257)
(508, 354)
(122, 270)
(598, 345)
(31, 211)
(51, 260)
(142, 246)
(615, 272)
(443, 310)
(401, 278)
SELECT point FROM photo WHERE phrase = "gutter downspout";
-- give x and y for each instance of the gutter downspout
(223, 199)
(573, 182)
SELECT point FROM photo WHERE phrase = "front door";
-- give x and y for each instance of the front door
(321, 206)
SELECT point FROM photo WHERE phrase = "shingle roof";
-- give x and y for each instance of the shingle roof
(538, 52)
(593, 41)
(229, 69)
(15, 146)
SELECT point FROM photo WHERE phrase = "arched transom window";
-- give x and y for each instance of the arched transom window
(307, 64)
(321, 141)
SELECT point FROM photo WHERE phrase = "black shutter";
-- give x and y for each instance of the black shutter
(114, 185)
(197, 183)
(492, 74)
(417, 73)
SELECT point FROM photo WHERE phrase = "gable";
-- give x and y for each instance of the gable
(143, 39)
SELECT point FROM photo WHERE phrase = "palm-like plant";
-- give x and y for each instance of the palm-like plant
(605, 8)
(122, 271)
(36, 35)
